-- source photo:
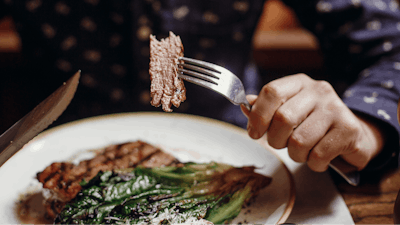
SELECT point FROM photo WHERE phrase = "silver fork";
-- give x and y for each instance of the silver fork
(223, 81)
(213, 77)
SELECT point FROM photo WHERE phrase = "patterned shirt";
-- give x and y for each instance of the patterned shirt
(360, 40)
(109, 42)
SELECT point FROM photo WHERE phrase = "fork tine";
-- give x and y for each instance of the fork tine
(198, 75)
(197, 81)
(203, 64)
(200, 69)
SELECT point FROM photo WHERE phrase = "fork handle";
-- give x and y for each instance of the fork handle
(247, 105)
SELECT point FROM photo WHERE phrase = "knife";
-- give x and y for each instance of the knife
(13, 139)
(349, 172)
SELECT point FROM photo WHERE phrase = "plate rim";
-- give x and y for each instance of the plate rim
(290, 204)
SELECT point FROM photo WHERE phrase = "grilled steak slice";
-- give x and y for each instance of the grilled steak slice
(61, 180)
(166, 88)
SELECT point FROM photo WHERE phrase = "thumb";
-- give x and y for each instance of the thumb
(252, 99)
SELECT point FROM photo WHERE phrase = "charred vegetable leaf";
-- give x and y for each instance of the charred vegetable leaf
(167, 195)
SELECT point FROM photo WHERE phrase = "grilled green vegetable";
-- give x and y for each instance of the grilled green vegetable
(167, 195)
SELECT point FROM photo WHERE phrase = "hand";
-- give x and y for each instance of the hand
(310, 119)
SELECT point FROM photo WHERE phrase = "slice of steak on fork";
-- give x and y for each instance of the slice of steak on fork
(166, 88)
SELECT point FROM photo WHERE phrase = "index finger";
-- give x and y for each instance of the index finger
(271, 97)
(251, 99)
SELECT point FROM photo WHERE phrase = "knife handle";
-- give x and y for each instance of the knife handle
(349, 172)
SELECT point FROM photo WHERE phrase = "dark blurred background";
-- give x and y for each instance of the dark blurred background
(281, 47)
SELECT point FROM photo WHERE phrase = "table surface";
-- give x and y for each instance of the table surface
(373, 200)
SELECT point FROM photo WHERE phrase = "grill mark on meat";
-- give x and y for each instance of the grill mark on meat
(159, 159)
(166, 87)
(62, 179)
(48, 173)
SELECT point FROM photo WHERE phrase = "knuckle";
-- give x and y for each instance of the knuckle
(353, 143)
(297, 141)
(355, 147)
(272, 89)
(352, 129)
(285, 117)
(337, 104)
(303, 76)
(349, 125)
(317, 167)
(323, 87)
(298, 148)
(334, 107)
(318, 155)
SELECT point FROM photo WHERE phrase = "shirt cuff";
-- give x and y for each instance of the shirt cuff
(384, 113)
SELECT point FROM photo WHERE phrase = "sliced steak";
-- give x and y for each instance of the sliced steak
(61, 180)
(166, 88)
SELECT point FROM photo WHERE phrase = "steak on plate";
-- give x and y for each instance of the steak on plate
(210, 192)
(61, 180)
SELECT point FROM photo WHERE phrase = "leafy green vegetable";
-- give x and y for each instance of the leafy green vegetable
(167, 195)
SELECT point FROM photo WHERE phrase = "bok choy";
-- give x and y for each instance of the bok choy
(213, 191)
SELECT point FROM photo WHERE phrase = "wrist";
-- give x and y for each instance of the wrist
(374, 136)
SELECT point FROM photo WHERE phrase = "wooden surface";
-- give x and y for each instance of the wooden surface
(372, 202)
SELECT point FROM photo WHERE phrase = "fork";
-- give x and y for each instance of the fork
(214, 77)
(223, 81)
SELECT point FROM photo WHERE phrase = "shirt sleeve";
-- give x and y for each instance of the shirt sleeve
(360, 41)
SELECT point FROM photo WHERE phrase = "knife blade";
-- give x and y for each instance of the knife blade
(25, 129)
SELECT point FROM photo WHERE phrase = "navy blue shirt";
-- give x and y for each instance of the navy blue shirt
(109, 42)
(360, 40)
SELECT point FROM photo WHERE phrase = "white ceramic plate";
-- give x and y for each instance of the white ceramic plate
(189, 138)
